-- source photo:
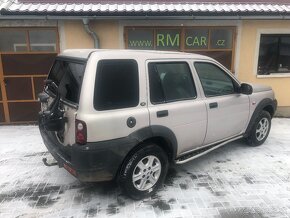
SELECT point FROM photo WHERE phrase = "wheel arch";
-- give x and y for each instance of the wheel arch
(270, 109)
(160, 135)
(156, 134)
(266, 104)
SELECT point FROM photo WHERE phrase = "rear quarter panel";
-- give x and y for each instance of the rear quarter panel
(110, 124)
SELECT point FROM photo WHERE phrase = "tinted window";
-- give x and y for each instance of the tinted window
(13, 41)
(214, 81)
(221, 39)
(140, 39)
(117, 84)
(42, 40)
(170, 82)
(274, 54)
(68, 76)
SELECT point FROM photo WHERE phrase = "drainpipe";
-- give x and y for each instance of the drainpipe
(91, 32)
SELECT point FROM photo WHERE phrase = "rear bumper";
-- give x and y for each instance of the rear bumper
(92, 162)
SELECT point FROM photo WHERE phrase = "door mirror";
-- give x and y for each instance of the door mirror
(246, 89)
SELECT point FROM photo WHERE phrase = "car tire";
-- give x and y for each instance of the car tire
(143, 172)
(260, 130)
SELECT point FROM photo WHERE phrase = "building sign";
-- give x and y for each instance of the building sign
(221, 39)
(215, 42)
(167, 39)
(140, 39)
(195, 38)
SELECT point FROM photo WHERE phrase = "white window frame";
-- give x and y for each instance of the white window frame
(258, 38)
(19, 45)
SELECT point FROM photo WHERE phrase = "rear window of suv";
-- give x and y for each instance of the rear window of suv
(68, 76)
(116, 85)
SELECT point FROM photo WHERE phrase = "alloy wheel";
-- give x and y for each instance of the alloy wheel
(262, 129)
(146, 173)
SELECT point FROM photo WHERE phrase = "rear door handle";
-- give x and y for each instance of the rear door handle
(163, 113)
(213, 105)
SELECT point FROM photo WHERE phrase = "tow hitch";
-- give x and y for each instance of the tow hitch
(49, 163)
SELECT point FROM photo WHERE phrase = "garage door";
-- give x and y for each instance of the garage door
(26, 55)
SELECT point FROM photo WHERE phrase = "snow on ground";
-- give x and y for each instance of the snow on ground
(233, 181)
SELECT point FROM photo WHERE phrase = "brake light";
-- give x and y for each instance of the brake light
(81, 132)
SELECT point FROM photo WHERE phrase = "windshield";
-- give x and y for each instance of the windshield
(68, 76)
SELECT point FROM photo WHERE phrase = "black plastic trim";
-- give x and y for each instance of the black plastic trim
(71, 59)
(95, 161)
(100, 161)
(213, 105)
(157, 131)
(163, 113)
(264, 103)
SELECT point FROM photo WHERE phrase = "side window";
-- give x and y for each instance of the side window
(170, 81)
(116, 85)
(214, 81)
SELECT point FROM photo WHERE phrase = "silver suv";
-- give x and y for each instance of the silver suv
(126, 115)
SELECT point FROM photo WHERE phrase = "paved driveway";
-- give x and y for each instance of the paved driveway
(233, 181)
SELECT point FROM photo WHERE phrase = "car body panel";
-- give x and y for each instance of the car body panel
(190, 124)
(228, 119)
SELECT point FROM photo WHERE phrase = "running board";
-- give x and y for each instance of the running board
(202, 151)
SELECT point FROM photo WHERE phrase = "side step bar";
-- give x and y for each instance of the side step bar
(202, 151)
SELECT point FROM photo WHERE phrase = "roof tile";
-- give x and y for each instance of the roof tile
(73, 6)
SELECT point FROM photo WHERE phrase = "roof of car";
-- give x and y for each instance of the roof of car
(146, 54)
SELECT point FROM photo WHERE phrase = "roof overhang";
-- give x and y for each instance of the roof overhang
(16, 10)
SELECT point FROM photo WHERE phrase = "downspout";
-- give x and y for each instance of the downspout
(91, 32)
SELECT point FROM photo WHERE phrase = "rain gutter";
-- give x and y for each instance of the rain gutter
(94, 35)
(144, 17)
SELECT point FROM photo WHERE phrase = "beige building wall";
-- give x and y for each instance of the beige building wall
(249, 51)
(75, 36)
(108, 32)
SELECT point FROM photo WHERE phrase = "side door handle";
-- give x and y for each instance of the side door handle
(213, 105)
(163, 113)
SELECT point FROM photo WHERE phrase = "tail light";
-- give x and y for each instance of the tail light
(81, 132)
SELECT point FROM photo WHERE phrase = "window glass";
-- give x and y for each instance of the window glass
(168, 39)
(221, 39)
(12, 41)
(42, 40)
(68, 76)
(196, 38)
(140, 39)
(274, 54)
(214, 81)
(116, 85)
(170, 82)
